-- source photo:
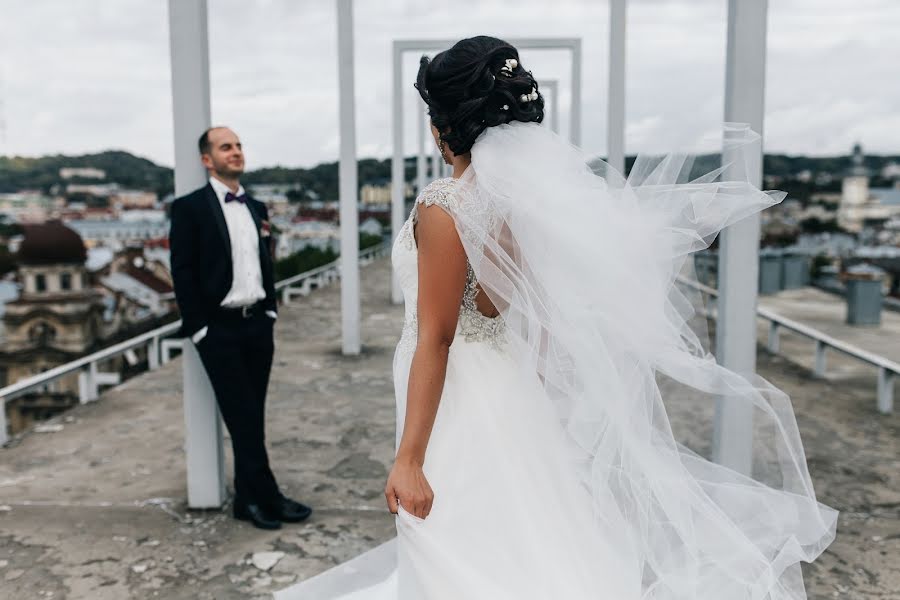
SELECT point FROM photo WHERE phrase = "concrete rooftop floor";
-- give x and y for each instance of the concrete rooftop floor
(97, 510)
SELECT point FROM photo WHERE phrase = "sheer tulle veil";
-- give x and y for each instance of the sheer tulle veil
(583, 265)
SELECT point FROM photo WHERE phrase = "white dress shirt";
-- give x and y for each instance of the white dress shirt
(246, 286)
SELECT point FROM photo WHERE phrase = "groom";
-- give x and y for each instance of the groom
(222, 270)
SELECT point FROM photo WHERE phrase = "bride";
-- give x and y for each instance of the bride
(535, 457)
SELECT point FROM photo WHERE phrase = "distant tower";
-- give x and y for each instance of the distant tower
(855, 193)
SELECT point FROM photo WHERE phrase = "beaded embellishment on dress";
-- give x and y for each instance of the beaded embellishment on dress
(473, 326)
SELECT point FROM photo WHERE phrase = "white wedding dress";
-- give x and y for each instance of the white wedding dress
(553, 465)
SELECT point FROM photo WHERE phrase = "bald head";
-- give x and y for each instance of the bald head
(221, 153)
(204, 143)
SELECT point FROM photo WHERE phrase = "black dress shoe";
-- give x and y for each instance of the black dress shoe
(257, 515)
(291, 511)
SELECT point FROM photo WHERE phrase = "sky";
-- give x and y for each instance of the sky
(79, 77)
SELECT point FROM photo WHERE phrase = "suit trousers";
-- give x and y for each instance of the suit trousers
(237, 355)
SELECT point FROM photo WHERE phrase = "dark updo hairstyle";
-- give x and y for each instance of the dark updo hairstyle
(466, 92)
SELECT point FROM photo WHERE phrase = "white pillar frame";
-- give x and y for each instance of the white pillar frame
(422, 160)
(615, 122)
(745, 78)
(551, 86)
(348, 186)
(437, 161)
(400, 47)
(189, 48)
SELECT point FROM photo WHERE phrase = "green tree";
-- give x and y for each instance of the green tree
(305, 260)
(816, 225)
(367, 240)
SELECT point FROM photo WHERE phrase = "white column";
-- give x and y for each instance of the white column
(437, 163)
(348, 190)
(615, 122)
(575, 133)
(422, 162)
(191, 115)
(397, 175)
(550, 89)
(739, 244)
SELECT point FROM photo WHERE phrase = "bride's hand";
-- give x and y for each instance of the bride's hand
(407, 486)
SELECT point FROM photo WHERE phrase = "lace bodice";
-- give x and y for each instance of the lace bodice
(472, 326)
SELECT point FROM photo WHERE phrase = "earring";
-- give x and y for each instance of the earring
(443, 154)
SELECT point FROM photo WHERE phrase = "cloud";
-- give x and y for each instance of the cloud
(86, 76)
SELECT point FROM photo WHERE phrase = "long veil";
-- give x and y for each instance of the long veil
(583, 266)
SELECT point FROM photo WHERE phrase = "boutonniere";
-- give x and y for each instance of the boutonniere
(265, 229)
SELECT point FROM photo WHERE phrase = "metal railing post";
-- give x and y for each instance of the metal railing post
(773, 341)
(887, 369)
(885, 391)
(821, 359)
(153, 354)
(4, 426)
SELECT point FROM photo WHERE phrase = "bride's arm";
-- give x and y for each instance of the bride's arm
(442, 279)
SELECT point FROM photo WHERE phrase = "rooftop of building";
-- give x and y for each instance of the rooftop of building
(51, 243)
(97, 509)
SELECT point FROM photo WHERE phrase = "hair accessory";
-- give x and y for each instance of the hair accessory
(505, 107)
(442, 148)
(529, 97)
(507, 69)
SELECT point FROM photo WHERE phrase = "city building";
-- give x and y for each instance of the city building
(56, 318)
(371, 226)
(70, 301)
(891, 171)
(131, 226)
(294, 237)
(378, 192)
(862, 206)
(29, 206)
(82, 173)
(98, 190)
(138, 294)
(133, 199)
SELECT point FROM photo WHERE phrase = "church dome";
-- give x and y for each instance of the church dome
(51, 243)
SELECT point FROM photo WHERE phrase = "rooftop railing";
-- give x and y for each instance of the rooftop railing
(887, 370)
(157, 343)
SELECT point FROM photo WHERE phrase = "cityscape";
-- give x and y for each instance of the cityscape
(97, 238)
(88, 261)
(101, 495)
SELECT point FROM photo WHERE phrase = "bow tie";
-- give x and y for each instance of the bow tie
(229, 197)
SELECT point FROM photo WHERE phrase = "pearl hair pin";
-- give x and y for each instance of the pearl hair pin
(507, 68)
(529, 97)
